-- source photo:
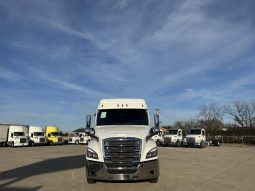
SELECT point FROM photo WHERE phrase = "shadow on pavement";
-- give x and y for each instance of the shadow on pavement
(21, 189)
(42, 167)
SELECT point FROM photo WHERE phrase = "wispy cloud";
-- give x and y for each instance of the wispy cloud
(176, 54)
(9, 75)
(62, 84)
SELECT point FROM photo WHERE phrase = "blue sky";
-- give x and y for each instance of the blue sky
(59, 58)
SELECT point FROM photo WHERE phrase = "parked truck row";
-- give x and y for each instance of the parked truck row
(26, 135)
(195, 137)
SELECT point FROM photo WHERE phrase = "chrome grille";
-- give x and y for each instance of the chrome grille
(23, 140)
(122, 155)
(42, 140)
(167, 140)
(190, 139)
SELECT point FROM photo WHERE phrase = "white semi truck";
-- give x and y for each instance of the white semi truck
(36, 135)
(196, 137)
(13, 135)
(78, 138)
(121, 146)
(173, 137)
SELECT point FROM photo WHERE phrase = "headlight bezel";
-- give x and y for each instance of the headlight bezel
(152, 153)
(92, 154)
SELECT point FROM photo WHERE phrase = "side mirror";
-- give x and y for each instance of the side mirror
(88, 121)
(153, 131)
(156, 120)
(91, 132)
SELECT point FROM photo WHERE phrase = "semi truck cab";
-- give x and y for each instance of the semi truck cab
(17, 136)
(173, 137)
(78, 138)
(52, 135)
(196, 137)
(36, 136)
(121, 146)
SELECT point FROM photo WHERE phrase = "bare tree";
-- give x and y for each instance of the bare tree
(186, 124)
(242, 112)
(211, 116)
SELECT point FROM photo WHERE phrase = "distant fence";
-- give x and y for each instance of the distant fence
(236, 139)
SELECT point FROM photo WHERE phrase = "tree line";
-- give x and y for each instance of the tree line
(211, 116)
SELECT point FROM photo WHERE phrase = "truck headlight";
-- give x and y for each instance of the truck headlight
(91, 154)
(152, 153)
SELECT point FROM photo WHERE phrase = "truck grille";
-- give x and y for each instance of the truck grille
(42, 140)
(122, 155)
(23, 140)
(167, 140)
(190, 139)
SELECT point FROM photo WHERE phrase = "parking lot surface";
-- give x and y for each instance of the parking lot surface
(229, 167)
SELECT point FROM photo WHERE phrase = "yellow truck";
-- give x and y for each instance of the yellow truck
(52, 135)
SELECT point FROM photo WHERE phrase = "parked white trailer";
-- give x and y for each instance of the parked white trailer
(4, 128)
(78, 138)
(36, 135)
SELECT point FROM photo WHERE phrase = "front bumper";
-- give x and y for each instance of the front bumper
(194, 144)
(145, 171)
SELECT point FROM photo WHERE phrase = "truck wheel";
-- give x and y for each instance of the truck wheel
(32, 144)
(202, 144)
(155, 180)
(158, 143)
(4, 144)
(77, 142)
(12, 145)
(217, 143)
(178, 144)
(91, 181)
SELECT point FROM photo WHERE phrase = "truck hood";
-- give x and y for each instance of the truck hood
(137, 131)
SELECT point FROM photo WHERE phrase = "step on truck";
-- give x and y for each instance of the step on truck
(172, 137)
(78, 138)
(36, 136)
(121, 146)
(196, 137)
(53, 136)
(13, 135)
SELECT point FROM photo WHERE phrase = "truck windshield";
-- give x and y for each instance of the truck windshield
(194, 132)
(54, 133)
(122, 117)
(18, 133)
(172, 132)
(38, 133)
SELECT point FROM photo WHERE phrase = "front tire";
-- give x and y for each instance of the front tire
(91, 181)
(158, 143)
(178, 143)
(12, 145)
(155, 180)
(202, 144)
(77, 142)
